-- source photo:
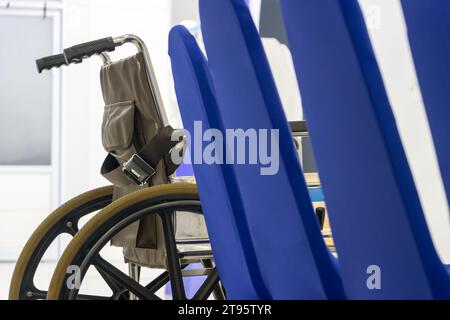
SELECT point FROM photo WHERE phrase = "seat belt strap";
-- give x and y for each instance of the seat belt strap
(140, 167)
(112, 171)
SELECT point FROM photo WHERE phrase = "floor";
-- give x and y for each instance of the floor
(6, 270)
(94, 285)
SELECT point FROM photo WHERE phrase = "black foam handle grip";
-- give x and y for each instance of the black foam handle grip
(85, 50)
(46, 63)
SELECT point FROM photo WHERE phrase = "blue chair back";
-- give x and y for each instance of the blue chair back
(291, 255)
(377, 221)
(428, 24)
(222, 208)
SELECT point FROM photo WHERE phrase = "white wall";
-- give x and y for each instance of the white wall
(82, 152)
(85, 20)
(388, 34)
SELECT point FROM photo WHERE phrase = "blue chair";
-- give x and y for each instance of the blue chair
(428, 24)
(376, 217)
(291, 255)
(229, 235)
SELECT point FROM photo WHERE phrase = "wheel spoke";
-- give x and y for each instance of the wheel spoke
(36, 294)
(161, 280)
(207, 287)
(173, 263)
(157, 283)
(218, 291)
(113, 285)
(123, 279)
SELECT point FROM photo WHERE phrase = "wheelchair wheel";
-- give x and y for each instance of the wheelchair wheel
(64, 220)
(83, 251)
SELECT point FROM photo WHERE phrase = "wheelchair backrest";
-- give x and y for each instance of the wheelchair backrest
(291, 255)
(428, 24)
(222, 208)
(384, 247)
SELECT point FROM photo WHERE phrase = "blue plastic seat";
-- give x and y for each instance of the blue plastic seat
(374, 209)
(428, 24)
(291, 255)
(228, 235)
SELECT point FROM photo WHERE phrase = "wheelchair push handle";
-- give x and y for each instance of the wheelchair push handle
(81, 51)
(49, 62)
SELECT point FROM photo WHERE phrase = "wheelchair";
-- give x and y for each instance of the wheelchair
(148, 211)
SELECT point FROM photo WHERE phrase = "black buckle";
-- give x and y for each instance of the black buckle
(138, 170)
